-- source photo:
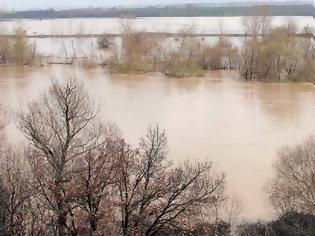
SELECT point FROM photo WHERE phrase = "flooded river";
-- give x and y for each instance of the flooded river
(238, 125)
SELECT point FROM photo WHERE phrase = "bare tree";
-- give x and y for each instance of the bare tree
(94, 188)
(89, 181)
(15, 186)
(17, 192)
(257, 22)
(57, 128)
(154, 196)
(293, 186)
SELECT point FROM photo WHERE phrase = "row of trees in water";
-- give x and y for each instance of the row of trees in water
(182, 56)
(267, 53)
(77, 175)
(275, 53)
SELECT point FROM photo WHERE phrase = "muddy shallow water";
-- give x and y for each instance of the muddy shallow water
(238, 125)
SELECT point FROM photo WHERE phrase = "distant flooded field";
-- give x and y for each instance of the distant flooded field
(238, 125)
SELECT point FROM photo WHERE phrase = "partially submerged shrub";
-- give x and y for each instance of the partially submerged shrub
(17, 50)
(4, 50)
(104, 42)
(130, 67)
(89, 62)
(185, 69)
(23, 51)
(278, 55)
(139, 53)
(185, 58)
(222, 55)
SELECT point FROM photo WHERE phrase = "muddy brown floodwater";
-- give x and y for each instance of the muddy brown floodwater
(238, 125)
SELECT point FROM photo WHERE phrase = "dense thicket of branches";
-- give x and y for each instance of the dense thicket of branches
(293, 186)
(78, 176)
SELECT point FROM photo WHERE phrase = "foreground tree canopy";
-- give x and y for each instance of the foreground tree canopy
(293, 186)
(78, 176)
(291, 195)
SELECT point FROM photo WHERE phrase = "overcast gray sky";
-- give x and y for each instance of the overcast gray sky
(61, 4)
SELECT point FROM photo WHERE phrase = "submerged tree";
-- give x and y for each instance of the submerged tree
(139, 52)
(277, 55)
(257, 22)
(17, 50)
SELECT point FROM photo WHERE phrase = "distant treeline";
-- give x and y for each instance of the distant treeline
(188, 10)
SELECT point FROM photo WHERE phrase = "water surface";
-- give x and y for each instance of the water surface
(238, 125)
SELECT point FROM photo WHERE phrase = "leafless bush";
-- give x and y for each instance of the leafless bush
(140, 51)
(184, 58)
(292, 187)
(90, 61)
(104, 42)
